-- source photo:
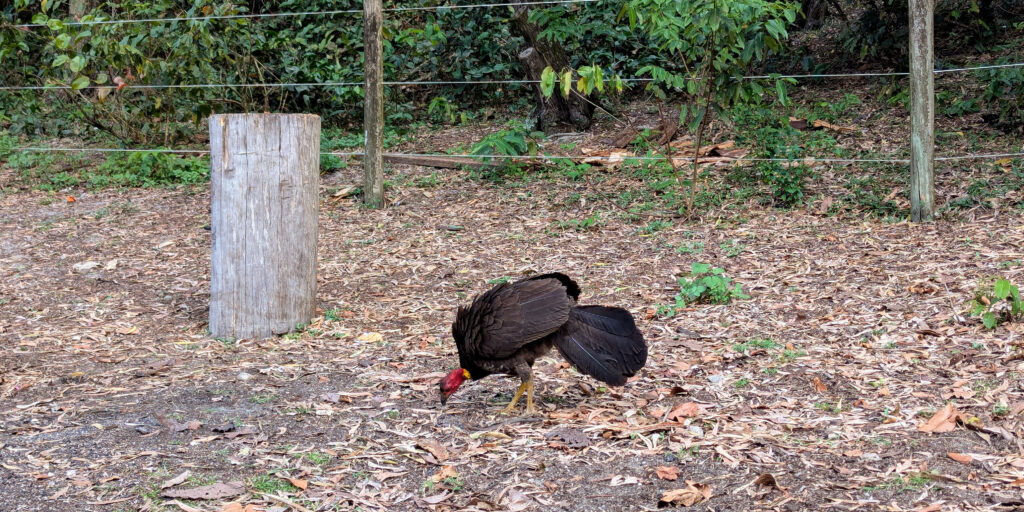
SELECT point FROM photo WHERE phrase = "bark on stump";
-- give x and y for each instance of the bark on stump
(264, 179)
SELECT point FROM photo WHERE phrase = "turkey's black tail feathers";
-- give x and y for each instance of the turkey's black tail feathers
(602, 342)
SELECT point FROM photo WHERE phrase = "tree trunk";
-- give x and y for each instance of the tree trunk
(549, 111)
(922, 111)
(373, 104)
(575, 110)
(264, 179)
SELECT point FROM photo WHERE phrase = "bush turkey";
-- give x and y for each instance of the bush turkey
(508, 327)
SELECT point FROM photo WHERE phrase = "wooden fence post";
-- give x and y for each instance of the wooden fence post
(922, 111)
(373, 101)
(265, 183)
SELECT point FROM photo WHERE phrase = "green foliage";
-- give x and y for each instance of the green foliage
(511, 141)
(704, 285)
(786, 181)
(997, 301)
(872, 195)
(878, 32)
(719, 41)
(1003, 95)
(58, 171)
(755, 343)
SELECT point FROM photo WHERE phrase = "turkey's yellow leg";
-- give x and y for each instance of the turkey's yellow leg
(529, 398)
(519, 393)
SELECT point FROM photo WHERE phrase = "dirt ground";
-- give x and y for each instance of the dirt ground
(827, 389)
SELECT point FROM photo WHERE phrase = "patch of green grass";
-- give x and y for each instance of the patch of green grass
(655, 226)
(790, 355)
(732, 248)
(899, 484)
(270, 484)
(828, 407)
(263, 398)
(741, 383)
(317, 457)
(690, 247)
(499, 280)
(762, 343)
(592, 222)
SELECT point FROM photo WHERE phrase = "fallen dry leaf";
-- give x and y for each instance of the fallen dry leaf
(942, 421)
(667, 472)
(517, 501)
(206, 492)
(819, 386)
(446, 471)
(691, 495)
(768, 480)
(439, 452)
(437, 498)
(686, 410)
(300, 483)
(962, 458)
(176, 480)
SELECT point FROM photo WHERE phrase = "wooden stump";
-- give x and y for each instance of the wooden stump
(264, 179)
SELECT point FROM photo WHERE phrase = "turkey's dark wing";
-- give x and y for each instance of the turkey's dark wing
(571, 288)
(504, 319)
(603, 342)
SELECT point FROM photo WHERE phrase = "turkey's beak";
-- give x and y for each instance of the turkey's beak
(444, 398)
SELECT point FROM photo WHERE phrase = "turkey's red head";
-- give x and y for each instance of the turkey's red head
(451, 382)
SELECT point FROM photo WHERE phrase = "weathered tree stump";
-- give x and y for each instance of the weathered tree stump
(264, 179)
(575, 110)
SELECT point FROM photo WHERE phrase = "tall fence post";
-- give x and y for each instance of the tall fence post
(265, 175)
(922, 111)
(373, 110)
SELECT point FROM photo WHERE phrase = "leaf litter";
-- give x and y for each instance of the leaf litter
(867, 387)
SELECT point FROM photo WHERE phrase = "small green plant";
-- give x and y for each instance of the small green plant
(442, 110)
(511, 141)
(705, 284)
(786, 182)
(732, 248)
(262, 398)
(741, 383)
(762, 343)
(499, 280)
(318, 458)
(1000, 410)
(654, 226)
(690, 247)
(584, 224)
(271, 484)
(997, 301)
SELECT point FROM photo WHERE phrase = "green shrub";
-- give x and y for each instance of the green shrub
(1003, 95)
(997, 301)
(786, 182)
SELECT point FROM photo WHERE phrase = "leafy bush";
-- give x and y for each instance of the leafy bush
(704, 285)
(786, 181)
(150, 169)
(997, 301)
(1004, 95)
(879, 31)
(57, 171)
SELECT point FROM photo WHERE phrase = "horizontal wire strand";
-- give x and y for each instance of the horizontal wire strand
(809, 159)
(463, 82)
(439, 8)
